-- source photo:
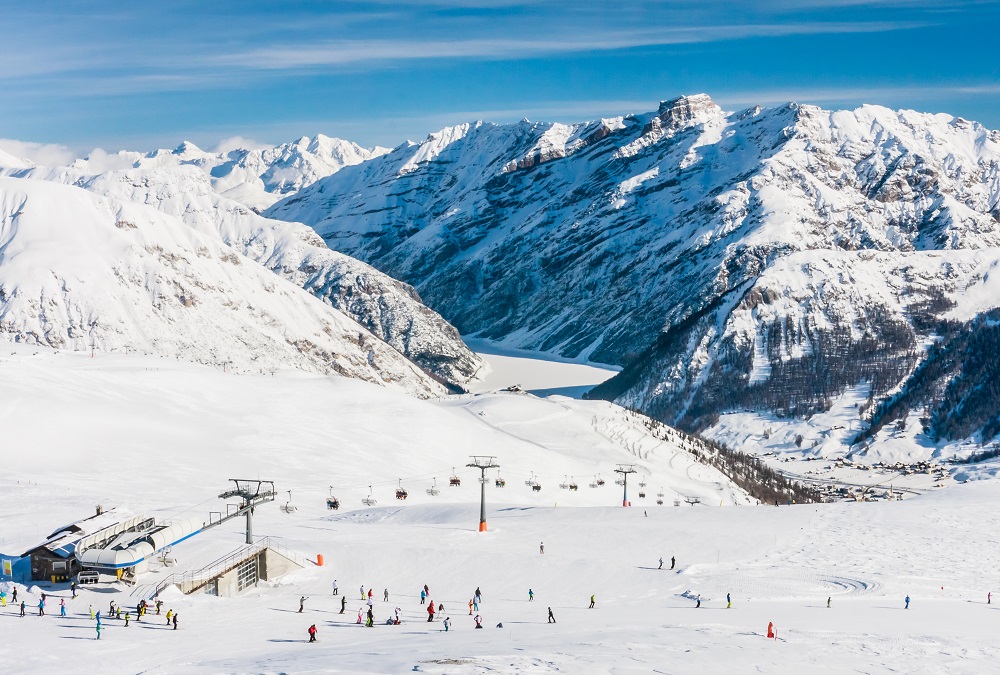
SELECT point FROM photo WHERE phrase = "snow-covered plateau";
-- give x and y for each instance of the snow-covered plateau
(162, 438)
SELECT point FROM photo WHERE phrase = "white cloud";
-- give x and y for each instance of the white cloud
(44, 154)
(238, 143)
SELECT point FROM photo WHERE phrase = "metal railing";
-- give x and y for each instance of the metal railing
(189, 582)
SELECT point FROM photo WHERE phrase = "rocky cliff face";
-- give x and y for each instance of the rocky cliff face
(767, 258)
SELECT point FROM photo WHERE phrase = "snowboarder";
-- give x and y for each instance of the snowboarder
(385, 595)
(343, 603)
(479, 621)
(335, 587)
(673, 562)
(312, 633)
(729, 601)
(423, 597)
(907, 602)
(552, 618)
(302, 603)
(170, 613)
(430, 611)
(447, 624)
(531, 595)
(371, 618)
(541, 548)
(770, 629)
(62, 607)
(828, 602)
(175, 620)
(592, 601)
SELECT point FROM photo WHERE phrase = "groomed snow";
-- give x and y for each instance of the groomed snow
(163, 438)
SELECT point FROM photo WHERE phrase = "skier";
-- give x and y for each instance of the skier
(361, 613)
(673, 562)
(72, 587)
(989, 596)
(3, 598)
(302, 603)
(531, 595)
(475, 603)
(541, 548)
(127, 617)
(118, 612)
(111, 607)
(22, 609)
(729, 601)
(907, 602)
(552, 618)
(440, 607)
(770, 629)
(175, 620)
(362, 592)
(430, 611)
(13, 597)
(398, 611)
(478, 596)
(661, 564)
(41, 608)
(592, 601)
(62, 607)
(98, 631)
(312, 633)
(335, 587)
(170, 613)
(423, 597)
(470, 607)
(479, 621)
(91, 608)
(369, 593)
(828, 602)
(371, 618)
(385, 595)
(447, 624)
(343, 603)
(699, 602)
(159, 604)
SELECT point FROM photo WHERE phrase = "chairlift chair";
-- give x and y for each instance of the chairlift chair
(289, 507)
(454, 481)
(600, 481)
(620, 481)
(370, 499)
(500, 482)
(531, 482)
(537, 487)
(433, 489)
(660, 493)
(642, 495)
(572, 485)
(332, 503)
(594, 484)
(659, 502)
(400, 492)
(564, 485)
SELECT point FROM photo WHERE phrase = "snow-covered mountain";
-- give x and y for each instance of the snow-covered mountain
(763, 259)
(80, 271)
(255, 177)
(388, 308)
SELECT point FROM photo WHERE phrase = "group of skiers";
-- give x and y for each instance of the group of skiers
(114, 610)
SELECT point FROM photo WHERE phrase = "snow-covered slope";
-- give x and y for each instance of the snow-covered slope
(726, 258)
(79, 271)
(390, 309)
(255, 177)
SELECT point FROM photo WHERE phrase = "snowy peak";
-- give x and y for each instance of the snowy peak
(685, 111)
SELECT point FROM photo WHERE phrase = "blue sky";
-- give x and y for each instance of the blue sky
(149, 74)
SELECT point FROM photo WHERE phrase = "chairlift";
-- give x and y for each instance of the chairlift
(332, 503)
(400, 492)
(594, 484)
(289, 507)
(531, 482)
(600, 481)
(565, 484)
(454, 481)
(642, 484)
(370, 499)
(659, 502)
(620, 481)
(642, 495)
(660, 493)
(433, 489)
(500, 482)
(572, 485)
(537, 487)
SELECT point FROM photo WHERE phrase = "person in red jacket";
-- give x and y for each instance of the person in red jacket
(430, 610)
(312, 633)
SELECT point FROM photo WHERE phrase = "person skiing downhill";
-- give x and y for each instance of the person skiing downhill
(371, 618)
(343, 603)
(62, 607)
(699, 602)
(552, 618)
(673, 562)
(661, 564)
(592, 601)
(430, 611)
(312, 633)
(22, 609)
(770, 629)
(447, 623)
(907, 602)
(828, 602)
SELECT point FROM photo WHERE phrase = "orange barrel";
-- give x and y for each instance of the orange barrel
(319, 559)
